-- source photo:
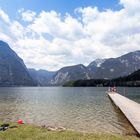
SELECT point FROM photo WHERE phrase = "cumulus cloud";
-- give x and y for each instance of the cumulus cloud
(51, 41)
(51, 23)
(27, 15)
(131, 5)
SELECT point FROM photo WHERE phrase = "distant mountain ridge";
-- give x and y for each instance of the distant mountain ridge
(99, 69)
(41, 76)
(13, 71)
(120, 66)
(132, 80)
(70, 73)
(135, 76)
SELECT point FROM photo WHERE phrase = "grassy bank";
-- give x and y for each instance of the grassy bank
(29, 132)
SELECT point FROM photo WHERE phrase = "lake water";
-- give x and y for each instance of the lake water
(82, 109)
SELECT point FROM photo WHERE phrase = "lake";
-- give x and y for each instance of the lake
(85, 109)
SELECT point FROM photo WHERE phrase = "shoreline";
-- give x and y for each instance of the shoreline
(62, 128)
(33, 132)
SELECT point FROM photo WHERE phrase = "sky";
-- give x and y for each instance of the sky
(51, 34)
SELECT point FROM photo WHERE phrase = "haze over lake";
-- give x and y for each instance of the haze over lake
(83, 109)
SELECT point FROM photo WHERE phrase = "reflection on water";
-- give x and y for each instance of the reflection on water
(82, 109)
(131, 93)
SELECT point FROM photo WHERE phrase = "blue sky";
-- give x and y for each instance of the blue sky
(51, 34)
(60, 6)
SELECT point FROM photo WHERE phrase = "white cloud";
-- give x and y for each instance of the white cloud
(4, 37)
(4, 16)
(27, 15)
(51, 41)
(17, 29)
(132, 6)
(51, 23)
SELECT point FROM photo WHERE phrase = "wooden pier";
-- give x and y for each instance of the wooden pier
(129, 108)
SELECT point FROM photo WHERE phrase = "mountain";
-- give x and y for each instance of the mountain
(96, 63)
(13, 71)
(41, 76)
(99, 69)
(93, 66)
(116, 67)
(132, 80)
(135, 76)
(70, 73)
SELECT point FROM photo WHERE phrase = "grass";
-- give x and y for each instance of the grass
(30, 132)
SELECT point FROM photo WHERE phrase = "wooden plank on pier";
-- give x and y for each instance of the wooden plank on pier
(130, 109)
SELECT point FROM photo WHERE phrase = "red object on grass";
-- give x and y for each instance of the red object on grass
(20, 121)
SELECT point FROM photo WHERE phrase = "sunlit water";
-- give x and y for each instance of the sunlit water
(81, 109)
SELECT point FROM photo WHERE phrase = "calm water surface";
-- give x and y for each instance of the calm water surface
(82, 109)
